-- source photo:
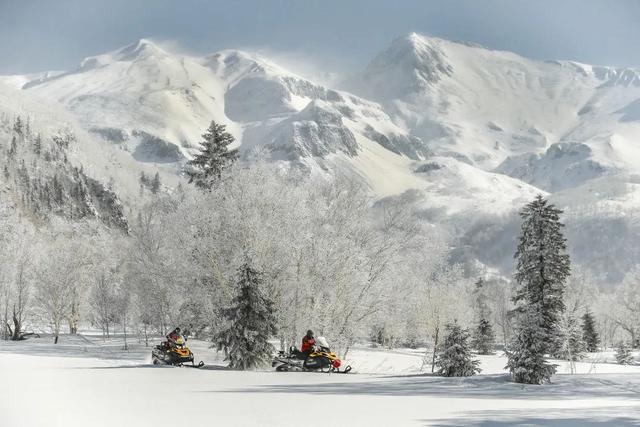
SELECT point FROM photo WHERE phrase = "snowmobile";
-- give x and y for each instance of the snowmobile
(175, 353)
(321, 359)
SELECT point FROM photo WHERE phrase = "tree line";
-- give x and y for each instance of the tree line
(309, 252)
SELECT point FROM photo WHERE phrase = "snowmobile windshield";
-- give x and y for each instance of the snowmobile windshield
(322, 342)
(180, 341)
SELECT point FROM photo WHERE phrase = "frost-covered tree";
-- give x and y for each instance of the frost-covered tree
(17, 256)
(37, 144)
(589, 332)
(214, 157)
(627, 310)
(103, 302)
(526, 352)
(543, 265)
(251, 323)
(623, 354)
(59, 282)
(124, 308)
(455, 358)
(541, 272)
(484, 337)
(571, 345)
(155, 183)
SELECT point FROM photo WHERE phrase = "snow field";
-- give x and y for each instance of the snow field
(51, 386)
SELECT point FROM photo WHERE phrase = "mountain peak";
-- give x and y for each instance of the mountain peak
(411, 62)
(141, 48)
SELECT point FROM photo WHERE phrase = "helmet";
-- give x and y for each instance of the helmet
(178, 329)
(310, 333)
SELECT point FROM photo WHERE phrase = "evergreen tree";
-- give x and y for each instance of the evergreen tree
(37, 144)
(542, 270)
(214, 157)
(454, 358)
(18, 126)
(543, 265)
(623, 354)
(14, 147)
(155, 183)
(526, 352)
(589, 334)
(484, 338)
(251, 323)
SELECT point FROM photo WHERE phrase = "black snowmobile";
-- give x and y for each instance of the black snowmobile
(321, 359)
(174, 353)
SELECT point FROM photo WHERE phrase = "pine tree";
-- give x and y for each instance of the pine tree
(543, 265)
(542, 270)
(207, 166)
(623, 354)
(454, 358)
(251, 323)
(18, 126)
(37, 144)
(589, 334)
(14, 147)
(526, 352)
(484, 338)
(155, 183)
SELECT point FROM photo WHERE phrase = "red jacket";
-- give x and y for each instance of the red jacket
(307, 343)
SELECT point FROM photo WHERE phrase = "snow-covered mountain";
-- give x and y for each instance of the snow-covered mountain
(487, 106)
(466, 133)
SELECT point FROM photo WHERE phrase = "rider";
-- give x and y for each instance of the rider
(173, 336)
(307, 345)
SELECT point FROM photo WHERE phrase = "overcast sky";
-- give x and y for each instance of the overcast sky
(37, 35)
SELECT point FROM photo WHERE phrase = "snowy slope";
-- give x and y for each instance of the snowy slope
(158, 103)
(100, 160)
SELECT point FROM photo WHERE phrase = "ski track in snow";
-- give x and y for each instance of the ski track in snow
(86, 382)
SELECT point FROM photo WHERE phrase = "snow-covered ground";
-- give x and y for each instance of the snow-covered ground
(85, 382)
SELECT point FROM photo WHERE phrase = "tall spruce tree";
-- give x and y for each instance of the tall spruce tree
(543, 265)
(251, 323)
(589, 334)
(542, 269)
(483, 335)
(207, 166)
(454, 358)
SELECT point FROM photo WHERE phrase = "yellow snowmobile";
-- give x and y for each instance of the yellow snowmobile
(174, 353)
(321, 359)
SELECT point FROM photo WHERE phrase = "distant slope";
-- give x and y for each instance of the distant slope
(484, 106)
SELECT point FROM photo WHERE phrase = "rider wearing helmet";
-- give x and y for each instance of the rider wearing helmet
(173, 336)
(307, 344)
